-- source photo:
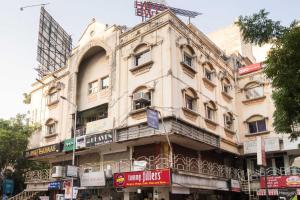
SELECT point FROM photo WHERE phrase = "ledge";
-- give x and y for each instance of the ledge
(52, 103)
(227, 96)
(248, 101)
(211, 122)
(208, 82)
(190, 71)
(141, 66)
(229, 131)
(50, 136)
(256, 134)
(192, 112)
(133, 112)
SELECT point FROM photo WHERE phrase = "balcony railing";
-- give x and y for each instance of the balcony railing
(273, 171)
(178, 163)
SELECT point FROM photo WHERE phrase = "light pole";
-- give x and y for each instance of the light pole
(74, 137)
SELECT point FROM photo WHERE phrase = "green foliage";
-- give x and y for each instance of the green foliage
(14, 134)
(27, 98)
(282, 66)
(259, 29)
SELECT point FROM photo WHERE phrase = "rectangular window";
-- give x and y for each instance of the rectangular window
(53, 97)
(257, 126)
(228, 122)
(208, 74)
(253, 93)
(93, 87)
(189, 102)
(104, 82)
(51, 129)
(141, 100)
(142, 58)
(187, 59)
(209, 113)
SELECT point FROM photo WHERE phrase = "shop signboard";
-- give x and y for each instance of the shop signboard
(139, 165)
(234, 185)
(281, 182)
(91, 179)
(72, 171)
(44, 197)
(271, 144)
(98, 139)
(56, 185)
(80, 142)
(250, 68)
(44, 151)
(151, 178)
(8, 186)
(261, 152)
(152, 118)
(271, 192)
(68, 145)
(287, 194)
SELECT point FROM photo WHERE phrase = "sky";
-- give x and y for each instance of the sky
(19, 31)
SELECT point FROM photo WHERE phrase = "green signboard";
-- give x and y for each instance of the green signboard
(68, 144)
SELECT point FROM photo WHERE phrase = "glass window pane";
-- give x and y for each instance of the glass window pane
(261, 125)
(252, 127)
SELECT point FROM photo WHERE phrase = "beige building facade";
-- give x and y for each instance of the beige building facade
(209, 113)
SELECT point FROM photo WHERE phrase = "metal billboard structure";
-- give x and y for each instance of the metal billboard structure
(149, 8)
(54, 45)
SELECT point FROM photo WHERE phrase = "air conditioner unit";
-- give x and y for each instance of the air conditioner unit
(58, 172)
(141, 96)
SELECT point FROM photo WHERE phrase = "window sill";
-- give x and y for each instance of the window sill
(227, 130)
(211, 122)
(192, 112)
(191, 71)
(209, 82)
(51, 135)
(52, 103)
(141, 66)
(141, 110)
(226, 95)
(256, 134)
(254, 100)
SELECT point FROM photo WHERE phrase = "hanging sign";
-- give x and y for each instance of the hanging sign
(152, 118)
(261, 152)
(44, 151)
(98, 139)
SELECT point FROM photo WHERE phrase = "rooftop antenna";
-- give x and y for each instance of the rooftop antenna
(35, 5)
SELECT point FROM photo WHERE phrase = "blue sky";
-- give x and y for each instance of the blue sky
(19, 30)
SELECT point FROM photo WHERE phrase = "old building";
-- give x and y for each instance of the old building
(209, 113)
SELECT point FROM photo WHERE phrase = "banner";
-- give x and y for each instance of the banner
(281, 182)
(261, 152)
(249, 68)
(158, 177)
(92, 179)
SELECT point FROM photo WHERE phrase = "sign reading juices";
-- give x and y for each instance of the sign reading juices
(281, 182)
(158, 177)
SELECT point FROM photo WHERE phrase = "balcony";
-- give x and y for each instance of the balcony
(273, 171)
(94, 127)
(38, 176)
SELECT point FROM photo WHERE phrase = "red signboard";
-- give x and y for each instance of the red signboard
(281, 182)
(250, 68)
(158, 177)
(148, 9)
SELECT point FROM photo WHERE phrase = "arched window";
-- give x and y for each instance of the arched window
(141, 98)
(210, 110)
(256, 124)
(228, 120)
(51, 126)
(226, 85)
(209, 71)
(190, 99)
(253, 90)
(142, 56)
(53, 96)
(188, 56)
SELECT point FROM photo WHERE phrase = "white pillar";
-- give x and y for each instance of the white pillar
(126, 195)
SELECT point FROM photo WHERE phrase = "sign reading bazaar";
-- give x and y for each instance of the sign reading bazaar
(158, 177)
(43, 151)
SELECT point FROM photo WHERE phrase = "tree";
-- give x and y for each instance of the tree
(14, 135)
(282, 66)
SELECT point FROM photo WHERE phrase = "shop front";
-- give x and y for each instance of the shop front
(141, 185)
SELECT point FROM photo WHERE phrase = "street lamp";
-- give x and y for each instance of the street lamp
(74, 137)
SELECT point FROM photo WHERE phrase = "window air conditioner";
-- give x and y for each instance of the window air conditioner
(58, 172)
(141, 96)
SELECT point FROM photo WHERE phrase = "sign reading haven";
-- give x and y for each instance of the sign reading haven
(158, 177)
(281, 182)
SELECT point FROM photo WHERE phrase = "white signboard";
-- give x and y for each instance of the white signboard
(139, 165)
(271, 144)
(92, 179)
(261, 152)
(290, 145)
(72, 171)
(44, 197)
(80, 142)
(97, 126)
